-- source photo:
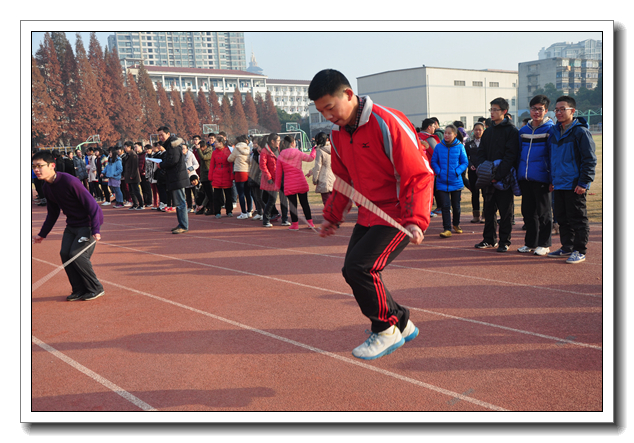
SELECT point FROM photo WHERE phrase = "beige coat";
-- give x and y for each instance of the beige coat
(322, 174)
(240, 157)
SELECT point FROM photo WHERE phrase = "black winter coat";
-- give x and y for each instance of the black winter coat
(500, 142)
(174, 164)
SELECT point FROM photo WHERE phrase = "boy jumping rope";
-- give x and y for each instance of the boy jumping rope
(376, 150)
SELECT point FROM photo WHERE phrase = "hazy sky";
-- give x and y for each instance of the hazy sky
(300, 55)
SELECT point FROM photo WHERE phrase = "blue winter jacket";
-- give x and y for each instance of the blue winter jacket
(114, 169)
(448, 163)
(534, 158)
(572, 156)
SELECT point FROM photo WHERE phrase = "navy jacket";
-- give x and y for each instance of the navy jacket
(572, 156)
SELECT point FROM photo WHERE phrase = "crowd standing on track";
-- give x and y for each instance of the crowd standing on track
(550, 164)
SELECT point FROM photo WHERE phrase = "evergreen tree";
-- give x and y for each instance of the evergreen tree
(226, 123)
(97, 60)
(48, 64)
(134, 123)
(214, 104)
(177, 110)
(190, 116)
(165, 105)
(202, 106)
(44, 125)
(90, 116)
(260, 108)
(271, 119)
(240, 125)
(120, 109)
(250, 111)
(149, 102)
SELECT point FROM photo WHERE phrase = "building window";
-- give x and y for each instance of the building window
(480, 84)
(494, 84)
(459, 83)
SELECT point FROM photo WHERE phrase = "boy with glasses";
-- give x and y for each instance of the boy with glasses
(500, 142)
(66, 193)
(533, 175)
(573, 162)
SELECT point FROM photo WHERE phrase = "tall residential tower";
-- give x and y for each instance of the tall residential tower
(187, 49)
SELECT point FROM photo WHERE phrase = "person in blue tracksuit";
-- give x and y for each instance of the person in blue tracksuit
(573, 162)
(533, 175)
(449, 161)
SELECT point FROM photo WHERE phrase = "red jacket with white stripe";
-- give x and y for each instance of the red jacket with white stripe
(384, 161)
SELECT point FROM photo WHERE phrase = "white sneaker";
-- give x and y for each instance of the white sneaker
(257, 217)
(525, 249)
(105, 204)
(541, 251)
(242, 216)
(249, 214)
(127, 204)
(379, 344)
(410, 332)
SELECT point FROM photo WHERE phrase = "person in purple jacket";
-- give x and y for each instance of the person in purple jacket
(83, 220)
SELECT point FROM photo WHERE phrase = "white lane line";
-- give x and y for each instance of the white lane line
(321, 289)
(393, 264)
(316, 350)
(96, 377)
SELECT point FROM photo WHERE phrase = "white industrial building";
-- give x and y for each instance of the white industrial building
(445, 93)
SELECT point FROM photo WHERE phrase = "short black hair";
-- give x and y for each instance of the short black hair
(197, 136)
(427, 123)
(44, 156)
(327, 82)
(540, 100)
(566, 98)
(163, 129)
(128, 144)
(501, 102)
(193, 177)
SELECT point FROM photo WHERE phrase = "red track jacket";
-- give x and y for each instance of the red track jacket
(384, 161)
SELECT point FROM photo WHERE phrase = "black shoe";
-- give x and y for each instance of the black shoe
(92, 295)
(485, 245)
(209, 212)
(503, 248)
(75, 296)
(200, 211)
(132, 207)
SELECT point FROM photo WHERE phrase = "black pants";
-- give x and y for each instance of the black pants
(303, 200)
(209, 192)
(146, 189)
(270, 205)
(572, 216)
(494, 200)
(135, 193)
(537, 213)
(106, 191)
(80, 274)
(222, 197)
(370, 250)
(448, 201)
(475, 192)
(256, 193)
